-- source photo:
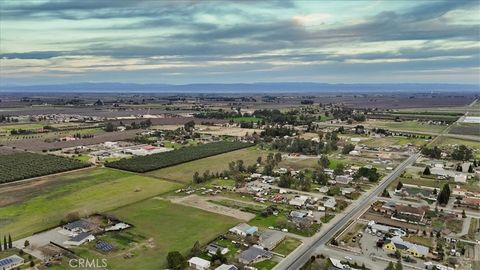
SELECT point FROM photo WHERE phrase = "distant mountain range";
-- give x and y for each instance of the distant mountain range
(286, 87)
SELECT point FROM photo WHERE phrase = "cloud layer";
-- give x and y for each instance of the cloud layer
(181, 42)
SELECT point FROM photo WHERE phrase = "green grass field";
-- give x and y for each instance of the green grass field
(247, 119)
(287, 246)
(407, 126)
(91, 191)
(184, 172)
(265, 265)
(389, 141)
(171, 226)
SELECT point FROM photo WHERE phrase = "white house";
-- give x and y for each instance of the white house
(243, 229)
(79, 239)
(298, 200)
(199, 263)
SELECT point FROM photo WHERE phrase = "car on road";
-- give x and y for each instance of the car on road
(348, 258)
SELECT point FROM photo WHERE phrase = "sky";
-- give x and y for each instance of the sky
(213, 41)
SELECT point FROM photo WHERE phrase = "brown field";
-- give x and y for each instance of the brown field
(40, 144)
(228, 131)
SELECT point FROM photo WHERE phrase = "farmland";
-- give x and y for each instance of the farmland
(171, 227)
(162, 160)
(27, 165)
(85, 192)
(412, 126)
(185, 171)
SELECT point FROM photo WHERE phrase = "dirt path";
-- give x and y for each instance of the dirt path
(203, 203)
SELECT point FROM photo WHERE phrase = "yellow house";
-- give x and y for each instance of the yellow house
(396, 243)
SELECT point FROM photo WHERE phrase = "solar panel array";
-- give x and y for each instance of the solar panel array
(104, 246)
(5, 261)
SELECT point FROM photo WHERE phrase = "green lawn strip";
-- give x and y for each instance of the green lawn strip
(265, 265)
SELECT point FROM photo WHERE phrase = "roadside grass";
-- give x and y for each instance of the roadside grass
(85, 193)
(287, 246)
(184, 172)
(169, 227)
(327, 218)
(472, 229)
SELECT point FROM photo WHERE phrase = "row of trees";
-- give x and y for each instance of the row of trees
(161, 160)
(306, 147)
(7, 244)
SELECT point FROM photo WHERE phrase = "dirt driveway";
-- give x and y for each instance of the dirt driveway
(203, 203)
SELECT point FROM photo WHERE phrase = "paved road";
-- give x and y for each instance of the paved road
(300, 256)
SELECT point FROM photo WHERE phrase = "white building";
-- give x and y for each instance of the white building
(199, 263)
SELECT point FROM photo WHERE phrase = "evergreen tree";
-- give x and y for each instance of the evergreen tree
(426, 171)
(399, 265)
(444, 195)
(196, 249)
(5, 244)
(10, 244)
(176, 261)
(399, 185)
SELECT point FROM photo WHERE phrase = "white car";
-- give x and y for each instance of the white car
(348, 258)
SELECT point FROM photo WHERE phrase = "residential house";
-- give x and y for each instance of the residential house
(213, 249)
(409, 213)
(299, 201)
(79, 239)
(343, 179)
(243, 229)
(337, 264)
(254, 254)
(78, 226)
(396, 243)
(375, 228)
(11, 262)
(269, 239)
(347, 191)
(226, 267)
(198, 263)
(330, 202)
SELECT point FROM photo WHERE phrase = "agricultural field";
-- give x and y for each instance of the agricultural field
(178, 156)
(412, 126)
(394, 140)
(251, 119)
(32, 143)
(223, 131)
(84, 192)
(465, 129)
(166, 227)
(218, 163)
(20, 166)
